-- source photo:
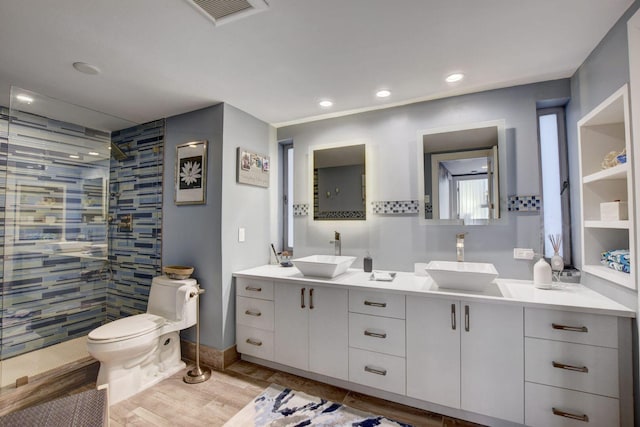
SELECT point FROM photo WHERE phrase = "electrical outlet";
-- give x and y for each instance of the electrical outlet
(241, 234)
(523, 253)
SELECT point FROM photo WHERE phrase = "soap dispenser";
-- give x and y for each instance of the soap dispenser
(368, 263)
(542, 274)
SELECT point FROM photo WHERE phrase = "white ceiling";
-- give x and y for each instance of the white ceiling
(161, 57)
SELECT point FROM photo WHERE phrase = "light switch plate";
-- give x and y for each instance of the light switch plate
(241, 234)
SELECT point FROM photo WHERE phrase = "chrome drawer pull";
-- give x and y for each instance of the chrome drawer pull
(311, 299)
(253, 313)
(560, 413)
(375, 304)
(466, 318)
(251, 341)
(253, 288)
(570, 368)
(375, 334)
(302, 298)
(382, 372)
(570, 328)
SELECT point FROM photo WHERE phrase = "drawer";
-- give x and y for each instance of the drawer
(575, 366)
(580, 328)
(377, 370)
(254, 342)
(254, 288)
(257, 313)
(377, 303)
(540, 401)
(380, 334)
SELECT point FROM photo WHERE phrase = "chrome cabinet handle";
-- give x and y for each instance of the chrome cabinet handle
(302, 298)
(466, 318)
(375, 334)
(453, 317)
(382, 372)
(570, 328)
(253, 288)
(253, 313)
(560, 413)
(251, 341)
(375, 304)
(311, 299)
(570, 367)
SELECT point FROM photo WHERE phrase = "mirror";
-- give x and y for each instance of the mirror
(339, 190)
(460, 173)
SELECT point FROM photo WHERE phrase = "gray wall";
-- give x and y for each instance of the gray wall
(244, 206)
(395, 243)
(602, 73)
(192, 233)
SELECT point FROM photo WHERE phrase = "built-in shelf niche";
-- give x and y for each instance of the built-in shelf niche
(606, 128)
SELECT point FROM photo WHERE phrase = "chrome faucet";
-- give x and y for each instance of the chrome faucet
(337, 244)
(460, 247)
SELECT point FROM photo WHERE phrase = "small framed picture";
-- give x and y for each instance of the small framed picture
(191, 168)
(253, 168)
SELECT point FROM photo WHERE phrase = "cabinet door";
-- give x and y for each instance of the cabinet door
(433, 350)
(291, 325)
(329, 332)
(492, 360)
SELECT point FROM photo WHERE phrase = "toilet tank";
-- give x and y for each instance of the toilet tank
(171, 299)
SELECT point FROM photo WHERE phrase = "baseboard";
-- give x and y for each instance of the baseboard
(50, 385)
(209, 356)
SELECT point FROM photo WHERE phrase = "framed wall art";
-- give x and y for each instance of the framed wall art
(252, 168)
(191, 177)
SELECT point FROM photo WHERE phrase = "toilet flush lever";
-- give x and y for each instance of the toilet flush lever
(196, 293)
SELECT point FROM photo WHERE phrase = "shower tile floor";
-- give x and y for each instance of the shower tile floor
(43, 360)
(173, 402)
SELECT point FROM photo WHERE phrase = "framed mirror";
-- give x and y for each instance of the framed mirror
(339, 183)
(459, 173)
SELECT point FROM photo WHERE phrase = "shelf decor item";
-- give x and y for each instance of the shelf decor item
(191, 173)
(557, 263)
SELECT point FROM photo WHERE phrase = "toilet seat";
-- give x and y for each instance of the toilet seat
(126, 328)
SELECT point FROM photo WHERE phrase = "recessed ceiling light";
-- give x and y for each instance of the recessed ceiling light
(454, 77)
(326, 103)
(85, 68)
(94, 153)
(24, 98)
(383, 93)
(74, 156)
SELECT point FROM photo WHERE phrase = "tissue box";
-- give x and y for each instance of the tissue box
(614, 211)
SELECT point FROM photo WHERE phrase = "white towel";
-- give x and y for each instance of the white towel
(382, 276)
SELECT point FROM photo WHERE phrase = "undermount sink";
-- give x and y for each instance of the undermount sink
(468, 276)
(323, 265)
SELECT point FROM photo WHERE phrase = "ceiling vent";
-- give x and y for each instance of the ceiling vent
(223, 11)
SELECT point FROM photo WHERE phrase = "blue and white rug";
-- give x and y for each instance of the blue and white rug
(282, 407)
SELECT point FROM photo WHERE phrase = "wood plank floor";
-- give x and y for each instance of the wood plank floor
(172, 402)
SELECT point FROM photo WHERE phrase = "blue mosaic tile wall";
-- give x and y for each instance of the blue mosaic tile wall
(136, 189)
(48, 296)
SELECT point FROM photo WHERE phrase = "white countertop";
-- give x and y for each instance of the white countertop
(566, 296)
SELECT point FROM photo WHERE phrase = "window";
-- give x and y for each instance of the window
(287, 196)
(554, 181)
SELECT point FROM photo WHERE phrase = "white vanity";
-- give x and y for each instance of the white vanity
(510, 355)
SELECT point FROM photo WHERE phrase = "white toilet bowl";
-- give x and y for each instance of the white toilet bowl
(137, 352)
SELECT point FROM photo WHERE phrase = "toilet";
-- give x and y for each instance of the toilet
(139, 351)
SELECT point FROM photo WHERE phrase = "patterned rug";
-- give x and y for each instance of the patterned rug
(282, 407)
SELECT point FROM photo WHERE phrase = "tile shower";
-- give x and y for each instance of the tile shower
(68, 265)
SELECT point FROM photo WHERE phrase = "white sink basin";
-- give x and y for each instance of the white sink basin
(468, 276)
(323, 265)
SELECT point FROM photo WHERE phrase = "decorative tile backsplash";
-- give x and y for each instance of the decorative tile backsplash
(300, 209)
(395, 207)
(524, 203)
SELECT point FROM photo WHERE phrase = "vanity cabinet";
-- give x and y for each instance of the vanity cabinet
(466, 355)
(603, 130)
(571, 368)
(377, 337)
(311, 328)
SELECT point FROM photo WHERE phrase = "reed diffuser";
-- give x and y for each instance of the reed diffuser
(557, 263)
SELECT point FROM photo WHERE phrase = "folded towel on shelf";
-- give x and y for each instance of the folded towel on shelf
(618, 256)
(617, 266)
